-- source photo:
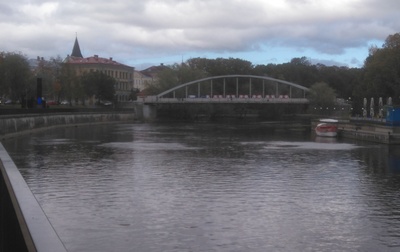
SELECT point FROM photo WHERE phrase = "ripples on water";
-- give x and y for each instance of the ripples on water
(208, 187)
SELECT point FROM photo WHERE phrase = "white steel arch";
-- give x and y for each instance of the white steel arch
(290, 84)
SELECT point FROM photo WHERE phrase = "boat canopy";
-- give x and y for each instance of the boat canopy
(329, 120)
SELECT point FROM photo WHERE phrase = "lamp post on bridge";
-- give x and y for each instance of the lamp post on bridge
(237, 87)
(263, 89)
(211, 88)
(224, 88)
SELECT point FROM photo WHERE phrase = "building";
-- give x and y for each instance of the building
(147, 77)
(141, 80)
(153, 71)
(123, 74)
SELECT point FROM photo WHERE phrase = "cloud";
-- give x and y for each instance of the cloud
(127, 29)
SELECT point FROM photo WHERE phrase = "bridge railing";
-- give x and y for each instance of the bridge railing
(155, 99)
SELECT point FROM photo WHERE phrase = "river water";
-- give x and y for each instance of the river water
(212, 187)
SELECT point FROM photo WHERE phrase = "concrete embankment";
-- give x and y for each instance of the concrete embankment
(367, 130)
(11, 125)
(23, 224)
(372, 131)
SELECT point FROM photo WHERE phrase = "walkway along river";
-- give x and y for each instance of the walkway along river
(212, 187)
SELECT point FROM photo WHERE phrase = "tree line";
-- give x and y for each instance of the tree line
(18, 81)
(379, 76)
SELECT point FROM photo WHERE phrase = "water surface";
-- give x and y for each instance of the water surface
(212, 187)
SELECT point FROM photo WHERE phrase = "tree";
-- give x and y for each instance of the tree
(173, 76)
(392, 41)
(70, 84)
(382, 70)
(166, 79)
(133, 94)
(51, 72)
(98, 84)
(15, 76)
(322, 95)
(198, 68)
(342, 79)
(220, 66)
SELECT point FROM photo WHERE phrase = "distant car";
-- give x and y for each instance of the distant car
(8, 102)
(106, 103)
(51, 103)
(64, 102)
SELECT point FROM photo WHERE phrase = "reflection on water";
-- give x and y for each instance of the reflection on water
(212, 187)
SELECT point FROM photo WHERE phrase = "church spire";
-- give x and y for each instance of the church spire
(76, 51)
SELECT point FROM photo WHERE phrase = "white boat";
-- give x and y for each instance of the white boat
(327, 128)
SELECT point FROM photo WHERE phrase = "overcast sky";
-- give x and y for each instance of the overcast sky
(140, 33)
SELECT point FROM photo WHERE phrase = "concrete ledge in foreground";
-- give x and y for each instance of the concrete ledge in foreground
(23, 224)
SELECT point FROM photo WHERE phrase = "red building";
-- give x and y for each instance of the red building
(123, 74)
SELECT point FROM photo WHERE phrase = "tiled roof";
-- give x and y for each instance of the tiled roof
(93, 60)
(153, 70)
(77, 58)
(142, 74)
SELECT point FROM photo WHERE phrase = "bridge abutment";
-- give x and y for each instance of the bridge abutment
(145, 112)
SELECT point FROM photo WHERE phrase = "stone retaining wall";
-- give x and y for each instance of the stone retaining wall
(11, 125)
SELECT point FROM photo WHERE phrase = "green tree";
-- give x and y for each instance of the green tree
(175, 75)
(382, 70)
(15, 76)
(98, 84)
(322, 95)
(69, 83)
(342, 79)
(166, 79)
(51, 72)
(133, 94)
(2, 75)
(220, 66)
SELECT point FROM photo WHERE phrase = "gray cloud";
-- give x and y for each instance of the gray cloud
(131, 29)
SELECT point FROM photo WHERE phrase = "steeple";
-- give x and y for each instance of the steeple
(76, 51)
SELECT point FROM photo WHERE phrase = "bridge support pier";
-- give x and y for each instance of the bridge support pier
(149, 112)
(145, 112)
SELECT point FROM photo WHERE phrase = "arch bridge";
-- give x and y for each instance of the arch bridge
(233, 89)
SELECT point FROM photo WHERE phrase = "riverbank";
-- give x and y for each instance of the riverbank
(365, 129)
(21, 123)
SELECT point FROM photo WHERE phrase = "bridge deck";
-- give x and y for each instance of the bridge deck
(155, 100)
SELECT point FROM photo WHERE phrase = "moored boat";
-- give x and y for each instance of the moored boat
(327, 128)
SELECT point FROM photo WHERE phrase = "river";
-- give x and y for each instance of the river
(212, 187)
